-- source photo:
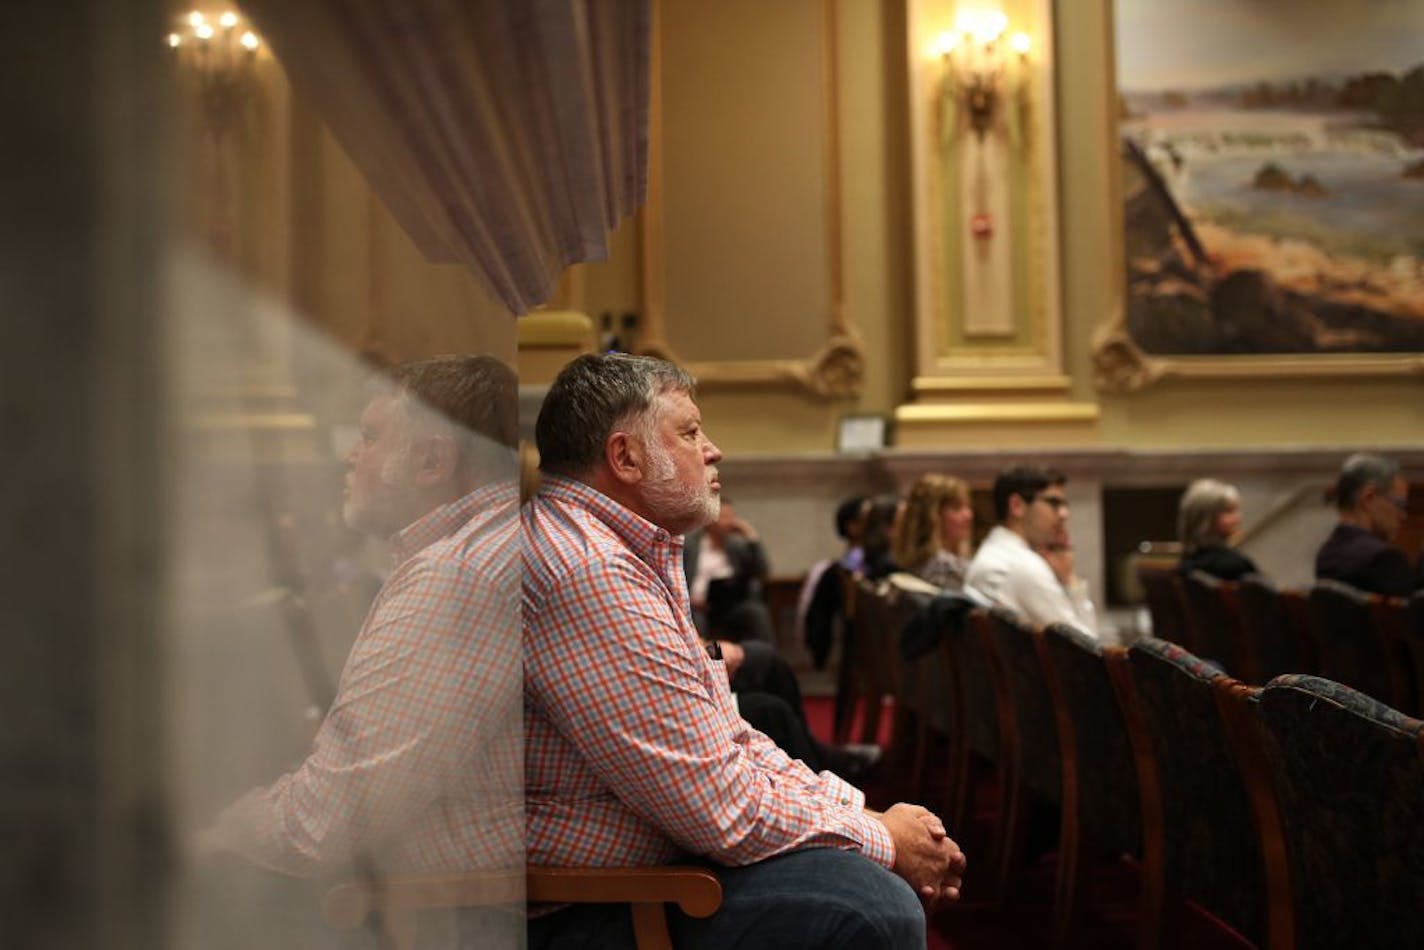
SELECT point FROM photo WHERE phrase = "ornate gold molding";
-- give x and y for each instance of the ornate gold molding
(837, 369)
(1122, 368)
(950, 343)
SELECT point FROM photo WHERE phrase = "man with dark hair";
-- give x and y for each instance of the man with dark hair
(850, 521)
(416, 767)
(1026, 561)
(634, 752)
(1372, 497)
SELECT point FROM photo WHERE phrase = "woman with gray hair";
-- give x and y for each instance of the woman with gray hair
(1209, 514)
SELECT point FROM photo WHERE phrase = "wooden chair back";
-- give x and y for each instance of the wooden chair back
(1219, 624)
(1349, 771)
(1162, 588)
(1199, 833)
(1354, 650)
(1278, 629)
(1101, 812)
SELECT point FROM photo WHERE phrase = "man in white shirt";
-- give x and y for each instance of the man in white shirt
(1026, 562)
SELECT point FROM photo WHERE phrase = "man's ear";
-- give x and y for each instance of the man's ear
(1017, 507)
(624, 455)
(436, 460)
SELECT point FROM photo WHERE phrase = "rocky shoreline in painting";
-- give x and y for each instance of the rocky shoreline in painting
(1203, 288)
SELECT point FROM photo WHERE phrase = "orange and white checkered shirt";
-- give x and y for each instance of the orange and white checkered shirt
(417, 767)
(634, 751)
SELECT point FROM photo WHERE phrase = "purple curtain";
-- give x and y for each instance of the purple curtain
(510, 136)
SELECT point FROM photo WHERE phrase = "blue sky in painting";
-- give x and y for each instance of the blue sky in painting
(1176, 44)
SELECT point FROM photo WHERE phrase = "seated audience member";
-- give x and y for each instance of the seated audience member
(634, 753)
(726, 570)
(882, 520)
(1207, 518)
(1372, 498)
(934, 533)
(767, 693)
(416, 767)
(818, 609)
(850, 527)
(1026, 561)
(768, 696)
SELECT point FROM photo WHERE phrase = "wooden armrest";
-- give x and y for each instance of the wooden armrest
(695, 891)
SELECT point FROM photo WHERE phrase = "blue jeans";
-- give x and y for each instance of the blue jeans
(819, 898)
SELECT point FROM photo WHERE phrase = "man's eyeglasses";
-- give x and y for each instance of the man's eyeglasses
(1056, 502)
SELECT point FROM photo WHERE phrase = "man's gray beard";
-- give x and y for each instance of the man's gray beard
(676, 508)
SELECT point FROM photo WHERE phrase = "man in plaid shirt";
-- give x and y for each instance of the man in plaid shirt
(416, 767)
(634, 751)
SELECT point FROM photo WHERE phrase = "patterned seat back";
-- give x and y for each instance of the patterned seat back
(1038, 764)
(1108, 812)
(1350, 777)
(1353, 648)
(1277, 639)
(1211, 850)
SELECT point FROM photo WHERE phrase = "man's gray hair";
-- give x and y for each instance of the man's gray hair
(1363, 469)
(1203, 500)
(594, 396)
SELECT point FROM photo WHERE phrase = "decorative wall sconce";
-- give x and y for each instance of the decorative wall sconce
(216, 57)
(222, 52)
(980, 68)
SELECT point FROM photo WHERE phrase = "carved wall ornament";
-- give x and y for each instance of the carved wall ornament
(1120, 366)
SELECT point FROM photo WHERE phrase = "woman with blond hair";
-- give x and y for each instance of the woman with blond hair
(933, 539)
(1208, 516)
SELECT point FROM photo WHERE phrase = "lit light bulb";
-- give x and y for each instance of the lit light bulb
(203, 31)
(944, 44)
(228, 20)
(174, 40)
(249, 40)
(995, 23)
(1019, 43)
(195, 19)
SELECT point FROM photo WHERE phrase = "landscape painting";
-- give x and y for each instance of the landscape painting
(1273, 175)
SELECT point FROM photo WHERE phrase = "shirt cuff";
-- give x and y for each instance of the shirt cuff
(841, 793)
(875, 841)
(877, 845)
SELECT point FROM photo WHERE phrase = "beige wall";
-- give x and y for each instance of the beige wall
(875, 256)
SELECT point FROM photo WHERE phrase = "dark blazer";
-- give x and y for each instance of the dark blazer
(1365, 561)
(1219, 561)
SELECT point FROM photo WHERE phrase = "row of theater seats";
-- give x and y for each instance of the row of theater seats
(1255, 631)
(1293, 812)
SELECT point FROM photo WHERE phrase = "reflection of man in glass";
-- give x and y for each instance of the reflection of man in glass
(417, 765)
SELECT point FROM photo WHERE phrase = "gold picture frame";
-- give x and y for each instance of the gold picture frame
(1122, 366)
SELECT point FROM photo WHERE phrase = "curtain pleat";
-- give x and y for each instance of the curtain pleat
(510, 136)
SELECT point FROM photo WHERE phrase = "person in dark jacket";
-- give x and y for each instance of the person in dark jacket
(1207, 517)
(1373, 498)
